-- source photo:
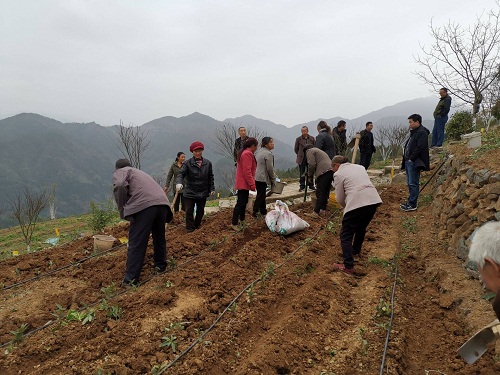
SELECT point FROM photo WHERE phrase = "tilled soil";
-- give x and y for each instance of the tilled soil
(293, 314)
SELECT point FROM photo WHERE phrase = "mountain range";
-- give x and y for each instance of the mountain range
(78, 158)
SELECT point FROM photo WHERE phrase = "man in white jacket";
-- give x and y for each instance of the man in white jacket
(355, 192)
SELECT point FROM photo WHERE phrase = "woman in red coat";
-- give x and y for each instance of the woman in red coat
(245, 179)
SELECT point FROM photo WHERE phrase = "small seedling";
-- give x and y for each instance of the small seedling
(158, 369)
(233, 307)
(331, 227)
(109, 290)
(169, 341)
(250, 294)
(410, 224)
(382, 262)
(171, 263)
(114, 312)
(362, 341)
(169, 284)
(19, 334)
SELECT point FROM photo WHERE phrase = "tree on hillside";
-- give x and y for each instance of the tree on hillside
(26, 208)
(225, 135)
(133, 142)
(464, 60)
(390, 139)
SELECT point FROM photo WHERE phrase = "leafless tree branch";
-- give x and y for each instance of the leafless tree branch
(133, 142)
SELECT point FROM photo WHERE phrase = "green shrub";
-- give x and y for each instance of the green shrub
(101, 214)
(459, 123)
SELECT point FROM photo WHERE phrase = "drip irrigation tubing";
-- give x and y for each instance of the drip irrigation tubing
(386, 345)
(228, 307)
(432, 176)
(51, 322)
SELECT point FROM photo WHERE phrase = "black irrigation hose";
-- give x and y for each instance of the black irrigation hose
(386, 346)
(430, 178)
(255, 281)
(50, 322)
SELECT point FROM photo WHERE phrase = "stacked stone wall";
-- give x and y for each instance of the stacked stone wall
(464, 199)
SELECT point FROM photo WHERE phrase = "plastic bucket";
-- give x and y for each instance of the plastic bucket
(103, 242)
(277, 188)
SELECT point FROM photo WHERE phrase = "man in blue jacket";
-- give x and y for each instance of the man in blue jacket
(440, 118)
(415, 159)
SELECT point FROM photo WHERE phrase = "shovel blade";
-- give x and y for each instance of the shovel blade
(476, 346)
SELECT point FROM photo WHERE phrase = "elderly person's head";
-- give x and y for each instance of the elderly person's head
(337, 161)
(485, 252)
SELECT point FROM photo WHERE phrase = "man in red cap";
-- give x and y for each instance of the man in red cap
(199, 178)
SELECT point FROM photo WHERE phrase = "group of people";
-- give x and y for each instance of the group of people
(322, 164)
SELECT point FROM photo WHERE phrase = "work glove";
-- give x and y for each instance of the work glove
(212, 193)
(178, 187)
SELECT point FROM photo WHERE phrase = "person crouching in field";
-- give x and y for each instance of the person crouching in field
(355, 192)
(142, 201)
(264, 174)
(320, 163)
(485, 253)
(245, 180)
(199, 179)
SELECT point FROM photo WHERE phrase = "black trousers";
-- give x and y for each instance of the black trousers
(365, 159)
(179, 201)
(259, 205)
(241, 204)
(193, 222)
(323, 184)
(353, 232)
(150, 220)
(302, 170)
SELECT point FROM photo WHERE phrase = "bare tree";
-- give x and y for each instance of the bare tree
(389, 140)
(227, 177)
(225, 136)
(26, 208)
(133, 141)
(464, 60)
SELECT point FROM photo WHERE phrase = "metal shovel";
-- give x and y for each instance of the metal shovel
(477, 345)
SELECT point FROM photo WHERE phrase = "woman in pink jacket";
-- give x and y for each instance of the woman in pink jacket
(245, 179)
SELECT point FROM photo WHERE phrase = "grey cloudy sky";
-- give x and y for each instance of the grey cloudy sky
(285, 61)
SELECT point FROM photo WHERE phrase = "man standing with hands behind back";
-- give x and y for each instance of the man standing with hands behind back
(303, 140)
(440, 117)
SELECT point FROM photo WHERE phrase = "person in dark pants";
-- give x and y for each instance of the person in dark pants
(264, 175)
(366, 146)
(324, 139)
(440, 117)
(415, 160)
(300, 142)
(171, 176)
(319, 163)
(246, 166)
(238, 143)
(355, 192)
(199, 178)
(143, 202)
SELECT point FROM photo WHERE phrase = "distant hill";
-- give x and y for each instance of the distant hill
(79, 157)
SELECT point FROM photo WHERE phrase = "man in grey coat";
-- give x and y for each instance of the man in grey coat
(143, 202)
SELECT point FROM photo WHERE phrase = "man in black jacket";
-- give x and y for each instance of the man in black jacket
(440, 118)
(415, 159)
(199, 178)
(366, 146)
(340, 138)
(238, 144)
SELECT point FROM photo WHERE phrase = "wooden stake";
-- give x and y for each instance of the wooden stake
(356, 144)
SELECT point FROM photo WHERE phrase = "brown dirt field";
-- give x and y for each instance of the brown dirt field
(299, 318)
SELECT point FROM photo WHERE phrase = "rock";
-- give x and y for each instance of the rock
(481, 177)
(459, 221)
(446, 301)
(462, 249)
(494, 178)
(470, 174)
(497, 216)
(476, 194)
(442, 234)
(399, 178)
(492, 189)
(485, 215)
(457, 210)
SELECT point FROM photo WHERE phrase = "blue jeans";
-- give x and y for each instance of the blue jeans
(438, 131)
(413, 181)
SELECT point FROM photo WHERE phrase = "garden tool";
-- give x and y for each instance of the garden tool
(355, 150)
(175, 199)
(477, 345)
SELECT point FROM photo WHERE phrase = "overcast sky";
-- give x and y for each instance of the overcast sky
(284, 61)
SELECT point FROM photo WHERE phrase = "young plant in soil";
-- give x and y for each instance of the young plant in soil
(250, 294)
(169, 342)
(109, 291)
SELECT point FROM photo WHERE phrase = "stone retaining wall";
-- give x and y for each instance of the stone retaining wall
(464, 199)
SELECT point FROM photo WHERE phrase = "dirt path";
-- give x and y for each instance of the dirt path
(298, 318)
